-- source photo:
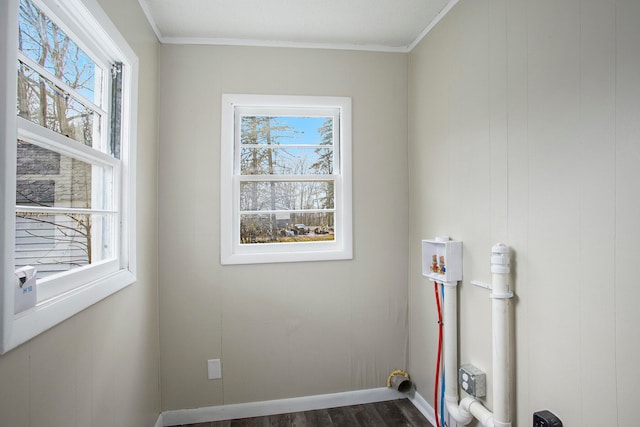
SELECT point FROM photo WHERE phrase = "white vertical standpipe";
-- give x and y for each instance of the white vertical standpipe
(450, 320)
(469, 408)
(500, 307)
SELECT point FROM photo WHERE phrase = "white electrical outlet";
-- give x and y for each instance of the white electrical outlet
(214, 369)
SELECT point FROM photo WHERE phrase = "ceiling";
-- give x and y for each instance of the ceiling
(378, 25)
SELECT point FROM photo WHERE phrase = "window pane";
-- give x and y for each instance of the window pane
(286, 161)
(59, 242)
(35, 160)
(42, 41)
(76, 185)
(36, 193)
(286, 130)
(41, 102)
(286, 195)
(286, 227)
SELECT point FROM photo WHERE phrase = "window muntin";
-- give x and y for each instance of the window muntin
(322, 157)
(78, 184)
(286, 195)
(289, 162)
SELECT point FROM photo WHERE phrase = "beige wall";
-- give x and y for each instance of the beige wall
(100, 368)
(524, 125)
(281, 330)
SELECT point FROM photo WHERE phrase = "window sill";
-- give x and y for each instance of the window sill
(286, 256)
(21, 327)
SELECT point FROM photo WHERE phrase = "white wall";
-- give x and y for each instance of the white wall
(101, 367)
(281, 330)
(524, 127)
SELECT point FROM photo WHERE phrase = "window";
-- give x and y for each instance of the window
(285, 179)
(67, 161)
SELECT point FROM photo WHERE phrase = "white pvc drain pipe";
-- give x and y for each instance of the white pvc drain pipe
(464, 412)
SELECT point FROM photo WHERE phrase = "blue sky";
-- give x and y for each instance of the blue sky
(32, 47)
(307, 125)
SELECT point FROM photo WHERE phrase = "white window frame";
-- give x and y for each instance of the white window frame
(231, 251)
(82, 287)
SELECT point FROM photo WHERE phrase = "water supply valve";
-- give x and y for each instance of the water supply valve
(442, 260)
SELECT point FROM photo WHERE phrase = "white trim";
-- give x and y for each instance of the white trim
(54, 210)
(214, 41)
(147, 12)
(432, 24)
(75, 279)
(281, 406)
(85, 15)
(231, 250)
(82, 15)
(128, 157)
(424, 407)
(51, 312)
(283, 44)
(159, 422)
(8, 57)
(51, 140)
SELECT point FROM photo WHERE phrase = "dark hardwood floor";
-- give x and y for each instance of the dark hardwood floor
(393, 413)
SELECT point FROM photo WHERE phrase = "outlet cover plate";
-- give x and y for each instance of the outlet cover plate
(214, 369)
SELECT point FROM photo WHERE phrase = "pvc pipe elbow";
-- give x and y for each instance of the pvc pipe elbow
(483, 415)
(477, 410)
(460, 414)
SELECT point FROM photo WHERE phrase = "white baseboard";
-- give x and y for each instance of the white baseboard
(283, 406)
(427, 410)
(424, 407)
(159, 422)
